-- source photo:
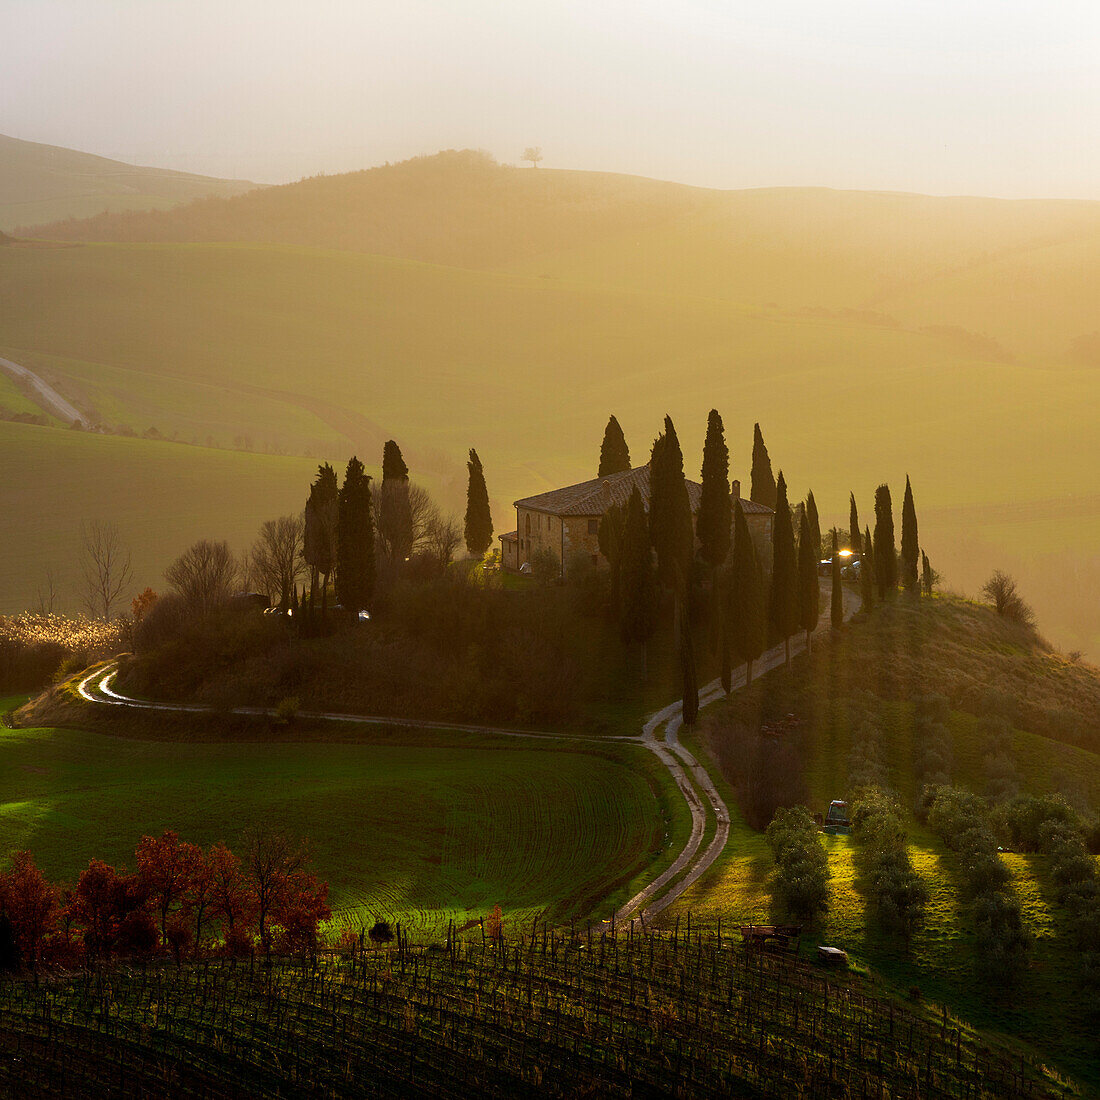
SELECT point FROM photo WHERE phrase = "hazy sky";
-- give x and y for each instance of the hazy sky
(996, 97)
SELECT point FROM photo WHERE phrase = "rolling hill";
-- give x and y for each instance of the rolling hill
(46, 183)
(449, 302)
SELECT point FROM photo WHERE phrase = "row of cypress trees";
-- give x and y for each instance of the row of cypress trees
(747, 610)
(342, 542)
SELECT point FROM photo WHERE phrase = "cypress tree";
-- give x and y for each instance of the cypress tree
(637, 580)
(783, 609)
(815, 524)
(355, 541)
(690, 703)
(910, 550)
(746, 615)
(614, 453)
(809, 587)
(836, 605)
(395, 527)
(764, 489)
(479, 523)
(713, 523)
(928, 576)
(867, 572)
(886, 554)
(670, 527)
(319, 547)
(610, 540)
(855, 545)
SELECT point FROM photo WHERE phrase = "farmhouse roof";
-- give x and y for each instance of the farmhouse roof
(593, 498)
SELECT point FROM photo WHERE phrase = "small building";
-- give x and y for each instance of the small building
(567, 521)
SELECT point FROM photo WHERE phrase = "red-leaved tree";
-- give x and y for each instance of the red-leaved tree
(32, 906)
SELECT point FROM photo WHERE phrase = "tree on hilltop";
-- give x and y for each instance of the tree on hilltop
(867, 572)
(637, 581)
(764, 490)
(479, 522)
(886, 554)
(320, 533)
(713, 522)
(910, 550)
(106, 567)
(614, 453)
(533, 154)
(275, 559)
(355, 542)
(855, 543)
(836, 604)
(809, 587)
(395, 519)
(745, 628)
(783, 610)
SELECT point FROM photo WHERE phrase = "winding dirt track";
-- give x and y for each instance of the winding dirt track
(660, 735)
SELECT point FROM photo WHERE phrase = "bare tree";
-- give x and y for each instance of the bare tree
(1001, 591)
(442, 538)
(204, 576)
(275, 561)
(423, 512)
(47, 594)
(533, 153)
(270, 859)
(105, 565)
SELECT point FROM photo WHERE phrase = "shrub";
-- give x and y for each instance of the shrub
(286, 710)
(545, 566)
(800, 884)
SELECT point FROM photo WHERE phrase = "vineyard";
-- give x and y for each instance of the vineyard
(532, 1011)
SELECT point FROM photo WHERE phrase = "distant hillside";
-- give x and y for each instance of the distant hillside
(965, 265)
(46, 183)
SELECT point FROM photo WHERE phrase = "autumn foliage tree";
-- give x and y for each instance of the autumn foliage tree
(31, 905)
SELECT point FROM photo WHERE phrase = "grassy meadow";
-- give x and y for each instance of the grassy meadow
(416, 827)
(325, 352)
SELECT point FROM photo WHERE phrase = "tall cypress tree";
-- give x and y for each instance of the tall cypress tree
(355, 540)
(479, 523)
(670, 527)
(319, 544)
(637, 580)
(910, 550)
(867, 572)
(764, 489)
(783, 608)
(928, 574)
(610, 540)
(836, 604)
(395, 527)
(854, 542)
(809, 587)
(614, 453)
(886, 553)
(815, 524)
(713, 523)
(746, 631)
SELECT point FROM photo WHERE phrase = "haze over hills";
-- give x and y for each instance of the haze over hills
(45, 183)
(449, 301)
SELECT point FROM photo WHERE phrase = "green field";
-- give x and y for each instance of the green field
(414, 828)
(871, 335)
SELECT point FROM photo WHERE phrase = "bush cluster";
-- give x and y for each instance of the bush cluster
(179, 899)
(800, 884)
(1049, 825)
(33, 648)
(897, 893)
(961, 821)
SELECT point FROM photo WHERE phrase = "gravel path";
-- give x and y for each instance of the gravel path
(61, 408)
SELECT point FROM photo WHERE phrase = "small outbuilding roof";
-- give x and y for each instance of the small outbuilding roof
(593, 498)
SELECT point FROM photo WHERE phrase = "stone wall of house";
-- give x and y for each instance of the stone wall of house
(537, 530)
(760, 531)
(582, 537)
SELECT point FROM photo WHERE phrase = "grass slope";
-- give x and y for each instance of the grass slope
(45, 183)
(420, 828)
(161, 495)
(967, 645)
(303, 347)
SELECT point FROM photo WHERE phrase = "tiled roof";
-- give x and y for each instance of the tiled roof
(512, 536)
(593, 498)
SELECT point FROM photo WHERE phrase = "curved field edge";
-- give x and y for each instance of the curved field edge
(422, 829)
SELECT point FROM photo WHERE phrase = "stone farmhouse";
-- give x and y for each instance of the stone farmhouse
(567, 521)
